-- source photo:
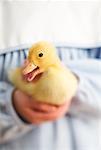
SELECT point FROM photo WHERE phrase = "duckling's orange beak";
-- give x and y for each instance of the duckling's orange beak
(29, 68)
(30, 71)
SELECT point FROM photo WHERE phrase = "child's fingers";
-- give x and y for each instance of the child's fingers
(33, 116)
(30, 116)
(43, 106)
(37, 117)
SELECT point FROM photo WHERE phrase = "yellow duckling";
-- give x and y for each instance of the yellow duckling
(56, 83)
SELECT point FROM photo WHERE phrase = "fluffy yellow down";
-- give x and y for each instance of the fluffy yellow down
(56, 85)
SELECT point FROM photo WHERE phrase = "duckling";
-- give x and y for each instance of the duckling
(55, 83)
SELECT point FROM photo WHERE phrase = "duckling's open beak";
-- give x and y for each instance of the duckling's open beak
(30, 71)
(29, 68)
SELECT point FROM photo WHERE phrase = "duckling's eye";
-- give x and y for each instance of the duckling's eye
(41, 54)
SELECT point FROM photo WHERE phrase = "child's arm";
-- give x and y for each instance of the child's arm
(11, 126)
(87, 102)
(17, 110)
(12, 123)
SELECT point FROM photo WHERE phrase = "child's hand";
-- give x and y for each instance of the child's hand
(36, 112)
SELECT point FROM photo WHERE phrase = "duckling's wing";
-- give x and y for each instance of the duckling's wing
(71, 80)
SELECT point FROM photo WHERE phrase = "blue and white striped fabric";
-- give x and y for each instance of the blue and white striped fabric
(16, 58)
(70, 132)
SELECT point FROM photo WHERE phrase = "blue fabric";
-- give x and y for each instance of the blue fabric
(78, 53)
(17, 57)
